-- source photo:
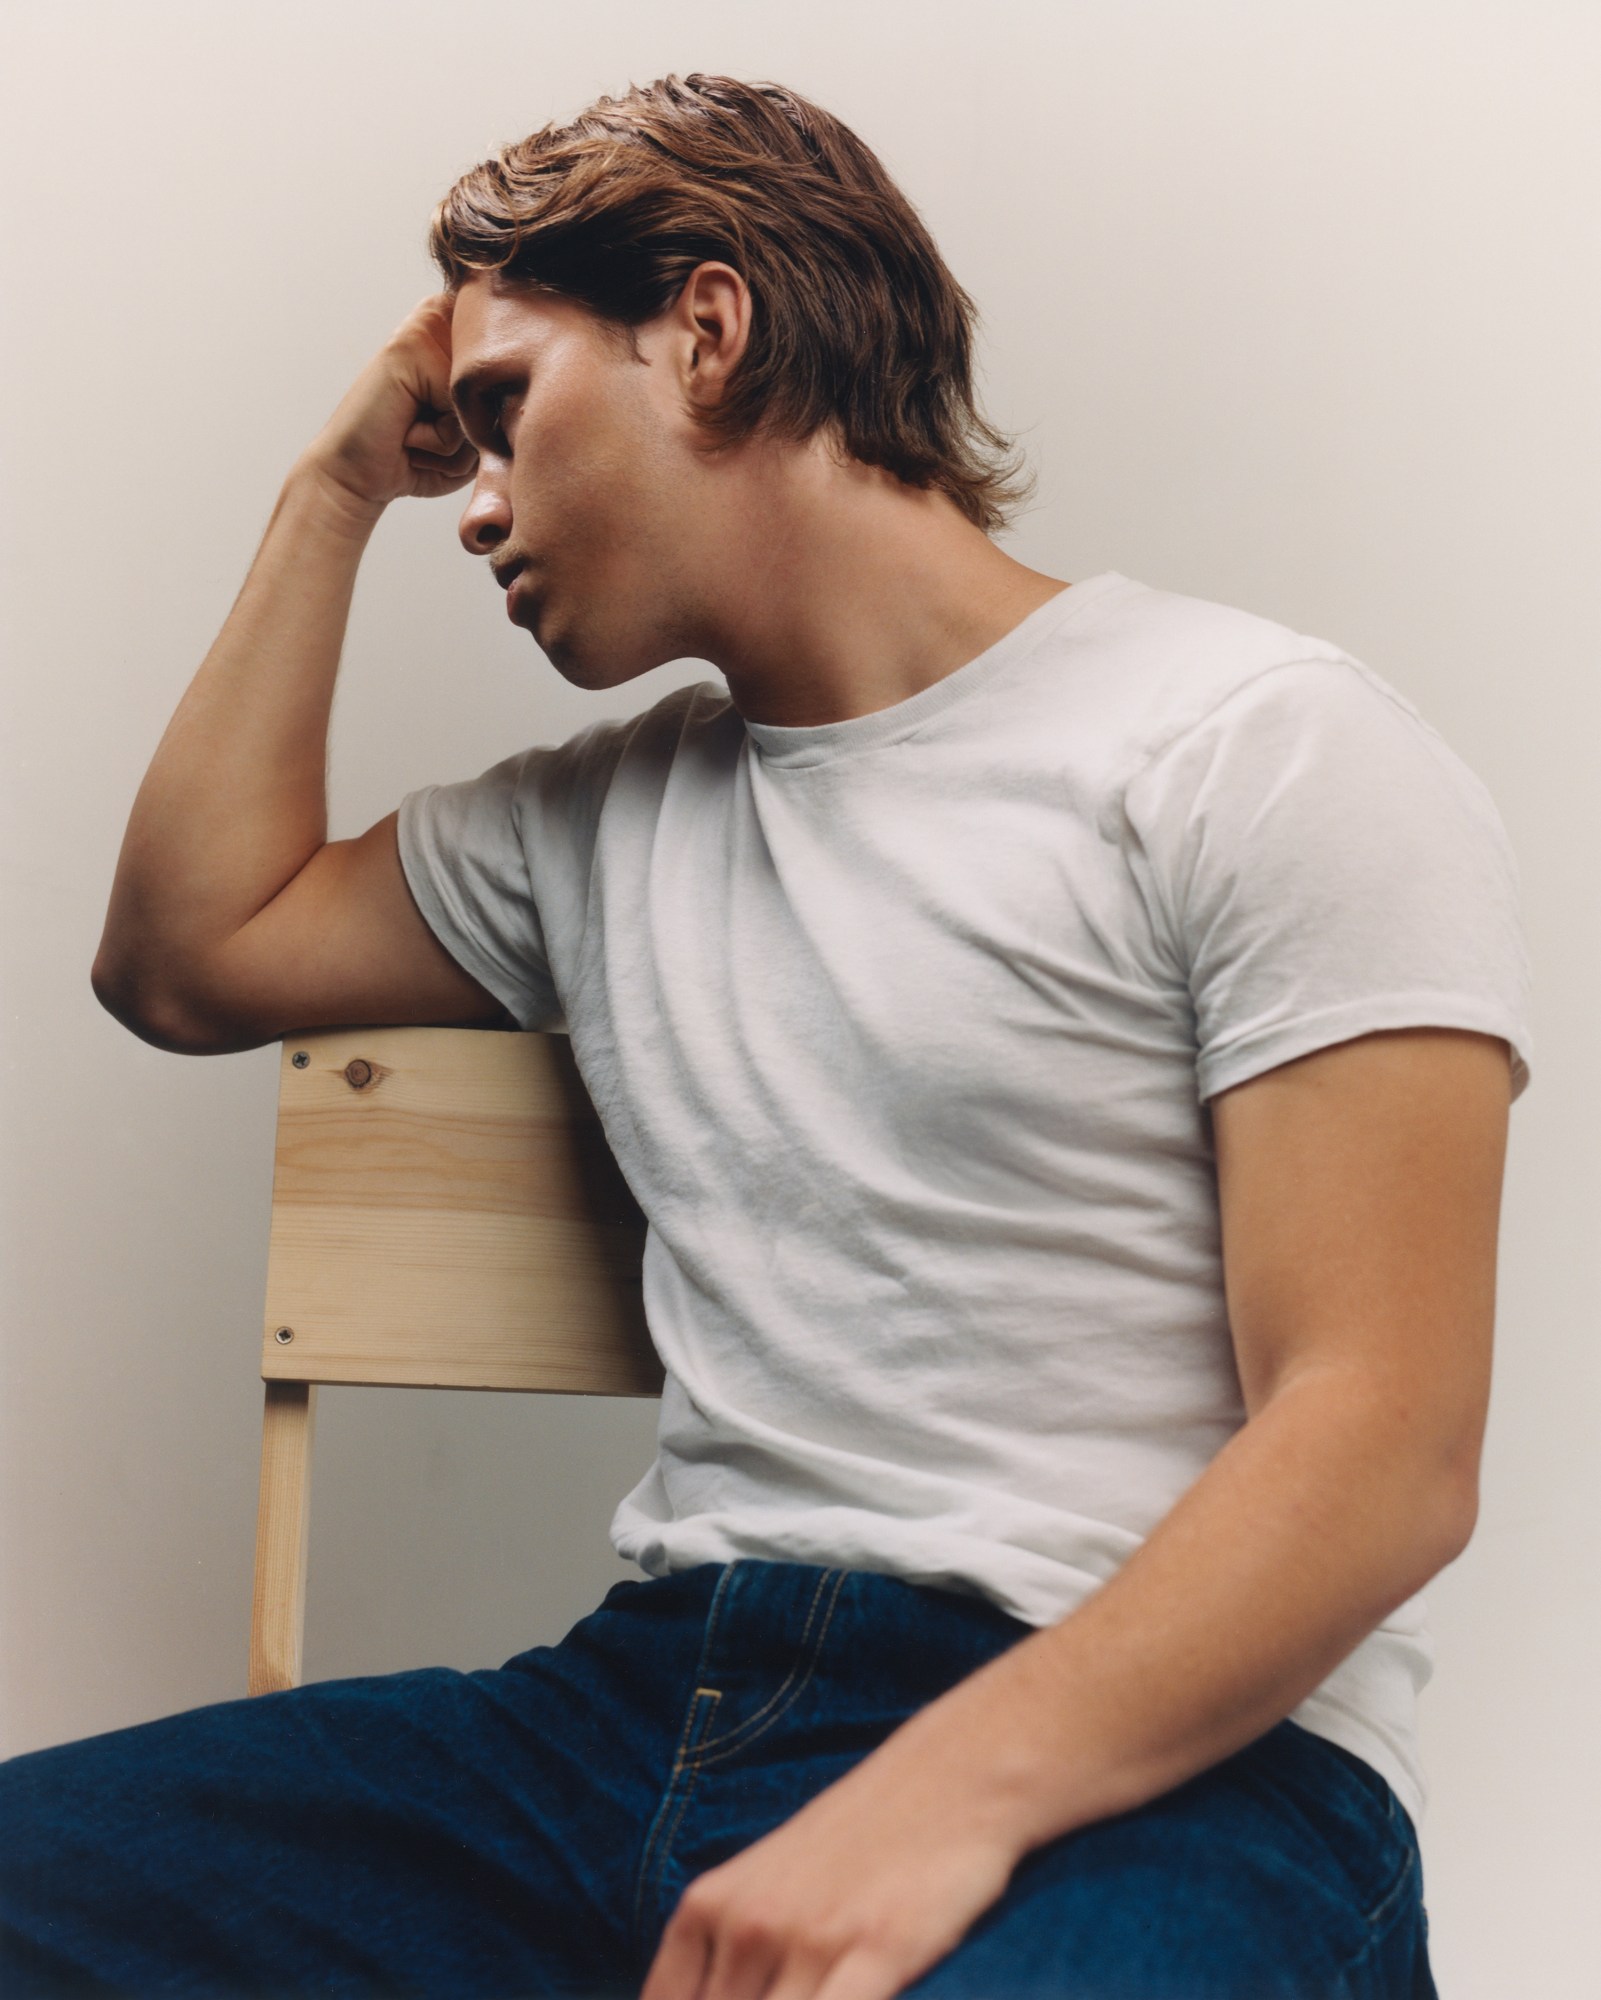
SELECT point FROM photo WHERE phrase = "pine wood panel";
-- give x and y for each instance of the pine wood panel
(446, 1212)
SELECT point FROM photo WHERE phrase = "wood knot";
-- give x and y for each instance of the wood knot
(358, 1074)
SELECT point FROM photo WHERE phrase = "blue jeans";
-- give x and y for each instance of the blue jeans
(527, 1829)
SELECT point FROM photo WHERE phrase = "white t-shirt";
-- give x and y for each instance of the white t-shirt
(901, 1029)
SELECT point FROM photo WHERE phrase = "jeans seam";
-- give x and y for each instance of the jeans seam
(689, 1774)
(789, 1691)
(698, 1697)
(1382, 1918)
(1395, 1827)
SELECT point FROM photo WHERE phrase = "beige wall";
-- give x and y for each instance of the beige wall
(1299, 308)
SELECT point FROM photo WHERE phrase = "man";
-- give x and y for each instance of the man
(1062, 1037)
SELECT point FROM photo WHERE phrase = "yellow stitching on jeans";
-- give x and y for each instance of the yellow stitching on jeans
(692, 1773)
(740, 1728)
(743, 1735)
(712, 1613)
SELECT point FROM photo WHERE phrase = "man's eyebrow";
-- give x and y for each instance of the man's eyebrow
(466, 386)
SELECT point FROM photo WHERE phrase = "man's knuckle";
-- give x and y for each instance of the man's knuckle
(885, 1936)
(698, 1898)
(754, 1931)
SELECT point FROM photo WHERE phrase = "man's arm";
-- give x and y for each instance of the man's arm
(234, 805)
(1360, 1192)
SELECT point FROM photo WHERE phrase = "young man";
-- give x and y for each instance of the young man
(1062, 1036)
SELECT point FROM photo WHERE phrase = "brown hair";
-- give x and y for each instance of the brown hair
(856, 321)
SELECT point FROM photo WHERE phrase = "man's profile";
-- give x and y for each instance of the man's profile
(1061, 1035)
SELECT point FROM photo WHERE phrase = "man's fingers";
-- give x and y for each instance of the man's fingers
(458, 464)
(441, 434)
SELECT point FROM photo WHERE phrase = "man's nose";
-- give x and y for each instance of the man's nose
(486, 519)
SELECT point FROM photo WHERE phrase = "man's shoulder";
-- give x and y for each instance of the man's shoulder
(1177, 653)
(1168, 660)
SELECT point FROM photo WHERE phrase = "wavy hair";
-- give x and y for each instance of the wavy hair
(856, 323)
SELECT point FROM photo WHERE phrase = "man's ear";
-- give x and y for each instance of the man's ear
(714, 318)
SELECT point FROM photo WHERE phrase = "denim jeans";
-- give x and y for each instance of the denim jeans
(527, 1829)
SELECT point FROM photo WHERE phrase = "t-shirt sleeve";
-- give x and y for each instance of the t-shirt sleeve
(1320, 864)
(461, 847)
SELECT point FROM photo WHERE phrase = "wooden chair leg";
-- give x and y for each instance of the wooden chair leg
(283, 1520)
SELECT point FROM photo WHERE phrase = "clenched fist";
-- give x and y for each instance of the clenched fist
(395, 432)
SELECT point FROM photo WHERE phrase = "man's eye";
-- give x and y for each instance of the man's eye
(494, 401)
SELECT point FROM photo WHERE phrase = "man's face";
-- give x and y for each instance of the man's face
(585, 478)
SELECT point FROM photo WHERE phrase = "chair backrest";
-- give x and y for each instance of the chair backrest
(446, 1213)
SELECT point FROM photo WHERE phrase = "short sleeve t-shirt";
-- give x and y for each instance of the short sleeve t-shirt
(902, 1030)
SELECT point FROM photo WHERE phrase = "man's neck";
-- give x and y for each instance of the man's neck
(843, 591)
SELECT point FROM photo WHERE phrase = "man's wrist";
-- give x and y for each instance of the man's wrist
(337, 506)
(975, 1753)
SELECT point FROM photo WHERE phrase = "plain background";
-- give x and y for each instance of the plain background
(1297, 307)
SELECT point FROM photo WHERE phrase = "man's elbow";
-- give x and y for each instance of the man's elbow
(131, 1003)
(1462, 1513)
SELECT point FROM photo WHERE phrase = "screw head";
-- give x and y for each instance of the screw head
(300, 1059)
(283, 1335)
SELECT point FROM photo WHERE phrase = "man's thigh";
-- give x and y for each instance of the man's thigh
(528, 1829)
(1286, 1871)
(431, 1832)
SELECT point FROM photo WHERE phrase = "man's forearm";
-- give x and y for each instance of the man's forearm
(235, 799)
(1299, 1538)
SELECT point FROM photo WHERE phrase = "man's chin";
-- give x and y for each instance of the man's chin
(584, 672)
(572, 667)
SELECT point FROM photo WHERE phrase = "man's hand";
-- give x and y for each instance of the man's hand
(853, 1897)
(395, 432)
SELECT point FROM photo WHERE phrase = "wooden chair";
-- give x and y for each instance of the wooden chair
(446, 1213)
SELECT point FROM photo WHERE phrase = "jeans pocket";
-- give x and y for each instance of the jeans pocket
(782, 1698)
(1356, 1815)
(1394, 1963)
